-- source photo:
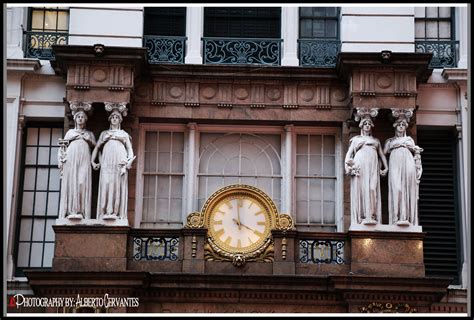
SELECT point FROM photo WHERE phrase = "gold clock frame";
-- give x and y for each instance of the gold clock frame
(264, 251)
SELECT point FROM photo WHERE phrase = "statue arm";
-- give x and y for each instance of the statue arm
(130, 155)
(349, 161)
(95, 165)
(384, 171)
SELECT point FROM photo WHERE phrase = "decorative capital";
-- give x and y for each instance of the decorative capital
(402, 114)
(120, 107)
(76, 106)
(364, 113)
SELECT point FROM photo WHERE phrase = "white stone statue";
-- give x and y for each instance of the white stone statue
(74, 159)
(404, 176)
(362, 164)
(115, 159)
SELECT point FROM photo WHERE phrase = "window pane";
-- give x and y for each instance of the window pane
(36, 254)
(419, 12)
(37, 20)
(149, 186)
(176, 187)
(43, 155)
(432, 12)
(163, 187)
(42, 179)
(162, 209)
(306, 11)
(177, 162)
(329, 145)
(25, 230)
(331, 29)
(54, 179)
(53, 204)
(420, 29)
(301, 211)
(48, 255)
(301, 189)
(329, 212)
(49, 230)
(329, 189)
(315, 192)
(148, 209)
(329, 164)
(315, 214)
(315, 146)
(40, 203)
(63, 22)
(176, 208)
(50, 20)
(164, 144)
(54, 155)
(29, 179)
(306, 28)
(444, 12)
(150, 161)
(445, 30)
(432, 29)
(30, 157)
(319, 12)
(27, 203)
(45, 136)
(32, 136)
(56, 133)
(315, 165)
(164, 162)
(318, 28)
(38, 230)
(331, 12)
(23, 254)
(302, 144)
(151, 141)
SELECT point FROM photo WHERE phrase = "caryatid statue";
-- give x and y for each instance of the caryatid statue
(362, 164)
(404, 172)
(116, 158)
(74, 157)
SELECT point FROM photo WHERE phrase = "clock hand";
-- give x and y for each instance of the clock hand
(243, 225)
(238, 223)
(238, 215)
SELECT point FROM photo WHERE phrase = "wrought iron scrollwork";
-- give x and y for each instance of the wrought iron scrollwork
(163, 49)
(444, 52)
(39, 44)
(319, 52)
(155, 248)
(242, 51)
(321, 251)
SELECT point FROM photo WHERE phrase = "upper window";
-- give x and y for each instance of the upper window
(39, 198)
(319, 22)
(434, 23)
(49, 20)
(244, 22)
(165, 21)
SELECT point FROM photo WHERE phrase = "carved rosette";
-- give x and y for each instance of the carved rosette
(284, 222)
(195, 220)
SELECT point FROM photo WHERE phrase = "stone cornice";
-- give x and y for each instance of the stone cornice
(23, 65)
(455, 74)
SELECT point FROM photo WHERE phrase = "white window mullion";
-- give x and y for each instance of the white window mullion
(190, 173)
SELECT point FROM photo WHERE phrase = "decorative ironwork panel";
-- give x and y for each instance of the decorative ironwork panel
(318, 52)
(163, 49)
(321, 251)
(444, 52)
(242, 51)
(156, 248)
(38, 44)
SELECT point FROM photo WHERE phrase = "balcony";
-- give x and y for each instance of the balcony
(242, 51)
(320, 53)
(164, 49)
(39, 44)
(444, 52)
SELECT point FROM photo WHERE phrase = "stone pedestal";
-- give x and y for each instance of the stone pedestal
(193, 257)
(391, 254)
(90, 248)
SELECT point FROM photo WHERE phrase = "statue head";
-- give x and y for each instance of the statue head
(115, 114)
(401, 126)
(366, 121)
(80, 117)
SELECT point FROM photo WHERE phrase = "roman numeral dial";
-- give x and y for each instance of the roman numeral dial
(239, 223)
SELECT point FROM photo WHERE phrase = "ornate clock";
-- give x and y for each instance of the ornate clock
(239, 219)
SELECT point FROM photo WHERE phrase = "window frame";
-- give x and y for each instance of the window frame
(336, 18)
(425, 19)
(18, 271)
(146, 16)
(44, 9)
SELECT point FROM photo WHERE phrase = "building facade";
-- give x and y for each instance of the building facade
(266, 97)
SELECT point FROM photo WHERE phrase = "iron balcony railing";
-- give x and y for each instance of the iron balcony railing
(157, 248)
(242, 51)
(164, 49)
(321, 251)
(39, 44)
(444, 52)
(318, 52)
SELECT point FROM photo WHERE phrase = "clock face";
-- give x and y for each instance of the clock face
(239, 223)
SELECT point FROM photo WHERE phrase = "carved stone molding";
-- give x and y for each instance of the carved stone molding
(388, 307)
